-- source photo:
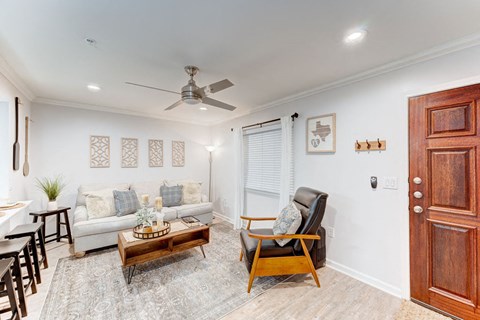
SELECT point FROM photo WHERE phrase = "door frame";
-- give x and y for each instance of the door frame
(405, 250)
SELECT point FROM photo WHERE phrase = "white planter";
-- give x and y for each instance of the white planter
(52, 205)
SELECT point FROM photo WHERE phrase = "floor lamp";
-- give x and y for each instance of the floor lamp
(210, 149)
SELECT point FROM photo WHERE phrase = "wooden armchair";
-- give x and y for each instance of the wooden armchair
(264, 257)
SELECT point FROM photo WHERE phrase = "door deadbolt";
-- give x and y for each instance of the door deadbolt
(418, 209)
(418, 195)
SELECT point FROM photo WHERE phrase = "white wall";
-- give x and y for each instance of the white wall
(371, 226)
(60, 145)
(12, 183)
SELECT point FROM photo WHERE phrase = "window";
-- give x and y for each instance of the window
(262, 154)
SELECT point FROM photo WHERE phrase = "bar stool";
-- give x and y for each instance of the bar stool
(6, 276)
(30, 230)
(13, 249)
(44, 214)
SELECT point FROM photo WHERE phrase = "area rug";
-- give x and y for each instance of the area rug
(412, 311)
(182, 286)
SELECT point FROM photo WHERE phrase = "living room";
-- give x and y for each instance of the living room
(91, 84)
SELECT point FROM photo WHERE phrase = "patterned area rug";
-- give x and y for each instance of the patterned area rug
(412, 311)
(182, 286)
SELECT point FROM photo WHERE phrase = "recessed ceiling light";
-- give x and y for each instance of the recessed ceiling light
(203, 108)
(355, 36)
(93, 87)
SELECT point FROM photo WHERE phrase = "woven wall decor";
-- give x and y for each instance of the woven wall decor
(129, 152)
(155, 153)
(178, 153)
(99, 152)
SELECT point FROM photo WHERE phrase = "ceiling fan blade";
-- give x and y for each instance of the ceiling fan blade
(218, 104)
(149, 87)
(215, 87)
(176, 104)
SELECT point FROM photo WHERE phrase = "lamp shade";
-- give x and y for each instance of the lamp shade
(210, 148)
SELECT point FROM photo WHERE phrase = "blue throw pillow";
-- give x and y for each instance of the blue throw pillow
(171, 196)
(126, 202)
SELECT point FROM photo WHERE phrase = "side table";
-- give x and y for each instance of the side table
(44, 214)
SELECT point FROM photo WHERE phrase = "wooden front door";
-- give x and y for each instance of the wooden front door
(444, 156)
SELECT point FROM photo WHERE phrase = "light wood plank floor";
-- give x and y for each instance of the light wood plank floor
(340, 297)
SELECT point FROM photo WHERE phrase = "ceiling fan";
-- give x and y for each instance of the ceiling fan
(192, 94)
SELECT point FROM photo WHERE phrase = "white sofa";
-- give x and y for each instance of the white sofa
(103, 232)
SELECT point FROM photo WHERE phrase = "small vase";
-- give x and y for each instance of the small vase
(52, 205)
(160, 216)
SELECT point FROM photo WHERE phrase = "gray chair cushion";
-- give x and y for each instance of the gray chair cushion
(126, 202)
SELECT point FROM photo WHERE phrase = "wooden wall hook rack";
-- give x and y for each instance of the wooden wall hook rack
(372, 145)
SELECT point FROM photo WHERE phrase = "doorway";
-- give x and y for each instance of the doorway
(444, 163)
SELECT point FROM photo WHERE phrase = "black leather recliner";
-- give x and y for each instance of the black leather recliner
(308, 243)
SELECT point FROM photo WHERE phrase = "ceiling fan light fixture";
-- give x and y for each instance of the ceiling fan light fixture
(192, 100)
(203, 108)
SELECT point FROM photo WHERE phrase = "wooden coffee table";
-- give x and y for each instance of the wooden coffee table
(141, 251)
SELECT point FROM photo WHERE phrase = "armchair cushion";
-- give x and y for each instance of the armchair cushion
(287, 222)
(269, 247)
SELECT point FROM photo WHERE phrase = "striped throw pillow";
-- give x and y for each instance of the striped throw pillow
(126, 202)
(171, 196)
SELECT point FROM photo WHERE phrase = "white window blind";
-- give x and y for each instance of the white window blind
(262, 154)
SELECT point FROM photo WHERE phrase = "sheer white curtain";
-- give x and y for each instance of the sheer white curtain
(286, 162)
(239, 177)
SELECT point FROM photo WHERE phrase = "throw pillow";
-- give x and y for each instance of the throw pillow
(192, 193)
(97, 208)
(126, 202)
(287, 222)
(171, 196)
(99, 203)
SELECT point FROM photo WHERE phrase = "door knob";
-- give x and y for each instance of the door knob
(417, 180)
(418, 209)
(418, 195)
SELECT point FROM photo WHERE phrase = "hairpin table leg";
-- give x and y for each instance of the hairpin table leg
(131, 271)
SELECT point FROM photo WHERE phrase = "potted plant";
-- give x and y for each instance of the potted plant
(52, 188)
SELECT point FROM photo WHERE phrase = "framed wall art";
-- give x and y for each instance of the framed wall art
(178, 153)
(129, 153)
(321, 134)
(155, 153)
(99, 152)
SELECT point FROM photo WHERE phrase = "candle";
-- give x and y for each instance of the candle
(158, 203)
(145, 199)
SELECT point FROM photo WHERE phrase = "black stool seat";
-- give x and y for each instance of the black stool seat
(57, 235)
(30, 230)
(25, 229)
(12, 249)
(6, 276)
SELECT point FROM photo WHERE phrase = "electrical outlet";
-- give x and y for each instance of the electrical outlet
(330, 232)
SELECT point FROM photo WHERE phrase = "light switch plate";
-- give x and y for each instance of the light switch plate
(390, 183)
(330, 232)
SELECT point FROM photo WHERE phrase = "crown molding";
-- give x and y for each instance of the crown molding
(429, 54)
(71, 104)
(14, 79)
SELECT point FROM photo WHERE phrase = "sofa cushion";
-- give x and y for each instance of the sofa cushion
(151, 188)
(95, 187)
(126, 202)
(83, 227)
(193, 209)
(171, 196)
(103, 225)
(287, 222)
(192, 193)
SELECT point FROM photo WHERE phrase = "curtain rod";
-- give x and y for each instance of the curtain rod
(295, 115)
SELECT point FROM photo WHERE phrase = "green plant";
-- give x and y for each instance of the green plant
(51, 187)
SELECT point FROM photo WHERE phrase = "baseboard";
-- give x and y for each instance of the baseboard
(223, 217)
(397, 292)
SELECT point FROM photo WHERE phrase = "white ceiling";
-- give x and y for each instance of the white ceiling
(269, 49)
